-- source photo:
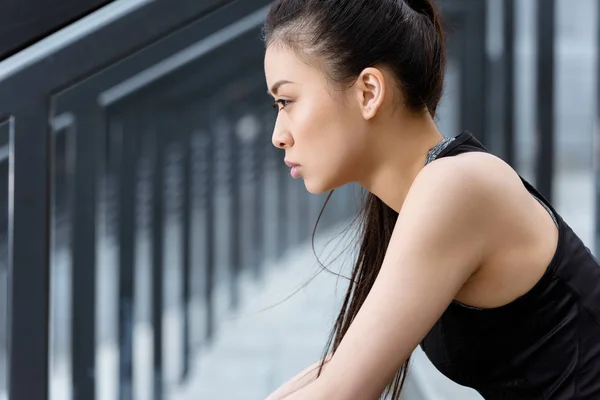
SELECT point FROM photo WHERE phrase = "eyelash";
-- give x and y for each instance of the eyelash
(281, 104)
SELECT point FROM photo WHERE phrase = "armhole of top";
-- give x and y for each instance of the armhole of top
(547, 209)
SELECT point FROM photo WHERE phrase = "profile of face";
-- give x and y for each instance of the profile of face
(322, 127)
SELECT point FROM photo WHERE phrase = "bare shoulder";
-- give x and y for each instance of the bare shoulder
(482, 172)
(478, 176)
(472, 195)
(477, 183)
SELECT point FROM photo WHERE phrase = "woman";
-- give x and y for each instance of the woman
(458, 253)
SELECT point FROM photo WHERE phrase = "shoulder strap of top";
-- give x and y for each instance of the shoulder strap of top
(437, 149)
(450, 146)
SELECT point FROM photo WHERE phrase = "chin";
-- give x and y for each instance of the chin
(311, 187)
(317, 187)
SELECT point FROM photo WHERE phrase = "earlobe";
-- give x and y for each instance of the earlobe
(371, 92)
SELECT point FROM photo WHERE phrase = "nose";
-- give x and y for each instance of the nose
(282, 138)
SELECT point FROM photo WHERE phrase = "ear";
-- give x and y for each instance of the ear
(370, 91)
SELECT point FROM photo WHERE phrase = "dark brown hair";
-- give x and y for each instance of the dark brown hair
(345, 37)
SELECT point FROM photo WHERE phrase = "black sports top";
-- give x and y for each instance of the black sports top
(546, 344)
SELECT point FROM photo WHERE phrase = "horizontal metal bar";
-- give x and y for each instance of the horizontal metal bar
(68, 35)
(183, 57)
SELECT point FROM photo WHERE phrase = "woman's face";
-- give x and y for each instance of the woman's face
(319, 126)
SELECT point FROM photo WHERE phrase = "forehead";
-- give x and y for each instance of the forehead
(282, 63)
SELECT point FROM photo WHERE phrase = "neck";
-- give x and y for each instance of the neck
(397, 156)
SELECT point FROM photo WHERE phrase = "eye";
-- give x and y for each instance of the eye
(280, 104)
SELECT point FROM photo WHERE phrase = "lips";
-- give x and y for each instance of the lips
(295, 169)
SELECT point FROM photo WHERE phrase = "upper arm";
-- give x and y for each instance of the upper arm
(439, 241)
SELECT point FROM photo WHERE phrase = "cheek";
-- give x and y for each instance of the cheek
(334, 153)
(312, 124)
(327, 131)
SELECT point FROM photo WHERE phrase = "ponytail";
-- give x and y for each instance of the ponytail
(429, 9)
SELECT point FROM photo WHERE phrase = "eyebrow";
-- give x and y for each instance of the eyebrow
(277, 85)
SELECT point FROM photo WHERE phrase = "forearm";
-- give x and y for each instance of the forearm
(298, 382)
(314, 390)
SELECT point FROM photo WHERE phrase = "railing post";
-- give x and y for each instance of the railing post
(245, 130)
(184, 128)
(29, 230)
(252, 197)
(234, 216)
(209, 232)
(545, 97)
(88, 126)
(471, 40)
(127, 129)
(157, 255)
(509, 82)
(201, 227)
(256, 168)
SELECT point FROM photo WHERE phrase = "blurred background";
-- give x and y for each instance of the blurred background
(150, 235)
